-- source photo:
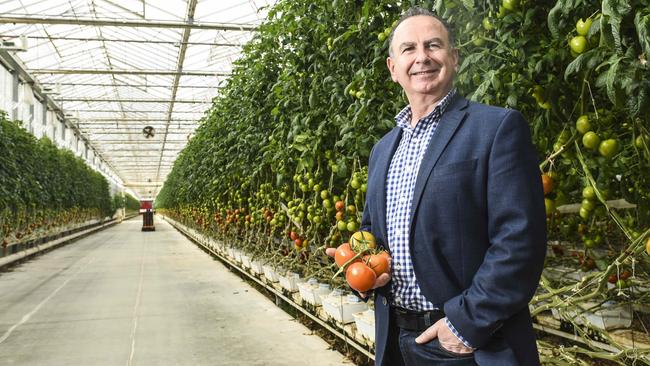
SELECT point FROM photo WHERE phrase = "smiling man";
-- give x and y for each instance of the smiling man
(454, 193)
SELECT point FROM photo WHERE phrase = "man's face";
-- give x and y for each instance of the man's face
(422, 62)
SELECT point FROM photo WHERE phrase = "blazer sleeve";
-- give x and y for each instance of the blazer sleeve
(509, 274)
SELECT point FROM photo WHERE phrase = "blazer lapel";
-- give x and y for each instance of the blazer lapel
(450, 121)
(383, 163)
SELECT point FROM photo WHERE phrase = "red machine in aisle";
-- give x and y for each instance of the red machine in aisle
(146, 209)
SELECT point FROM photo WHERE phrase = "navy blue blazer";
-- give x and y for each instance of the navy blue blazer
(478, 228)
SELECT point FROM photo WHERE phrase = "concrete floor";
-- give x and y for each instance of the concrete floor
(124, 297)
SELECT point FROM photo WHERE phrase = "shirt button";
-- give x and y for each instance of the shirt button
(383, 301)
(402, 199)
(398, 232)
(398, 267)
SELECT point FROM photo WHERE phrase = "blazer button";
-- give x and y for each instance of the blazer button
(383, 301)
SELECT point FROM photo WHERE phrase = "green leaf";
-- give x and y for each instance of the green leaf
(642, 24)
(611, 79)
(615, 10)
(468, 4)
(575, 66)
(553, 18)
(484, 86)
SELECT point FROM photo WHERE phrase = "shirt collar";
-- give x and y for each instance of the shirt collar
(403, 118)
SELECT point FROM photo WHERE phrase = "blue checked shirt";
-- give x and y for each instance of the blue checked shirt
(400, 184)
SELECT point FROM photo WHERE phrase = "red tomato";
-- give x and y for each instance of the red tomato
(360, 277)
(339, 205)
(293, 235)
(343, 254)
(380, 263)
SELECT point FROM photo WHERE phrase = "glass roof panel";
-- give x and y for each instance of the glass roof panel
(113, 79)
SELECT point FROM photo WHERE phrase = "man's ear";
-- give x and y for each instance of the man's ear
(391, 68)
(456, 56)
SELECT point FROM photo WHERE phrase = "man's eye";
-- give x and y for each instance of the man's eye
(434, 45)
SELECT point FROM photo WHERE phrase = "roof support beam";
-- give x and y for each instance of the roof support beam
(86, 120)
(189, 24)
(189, 19)
(134, 85)
(100, 133)
(152, 184)
(128, 111)
(109, 142)
(97, 100)
(125, 72)
(90, 39)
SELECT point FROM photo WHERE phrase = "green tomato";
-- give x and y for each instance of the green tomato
(351, 226)
(588, 204)
(487, 25)
(381, 37)
(585, 214)
(578, 44)
(327, 203)
(582, 27)
(589, 243)
(341, 225)
(591, 140)
(589, 193)
(355, 183)
(608, 148)
(478, 41)
(510, 4)
(502, 12)
(639, 141)
(582, 124)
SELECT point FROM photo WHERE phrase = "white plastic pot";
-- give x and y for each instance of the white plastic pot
(365, 322)
(270, 273)
(290, 281)
(341, 307)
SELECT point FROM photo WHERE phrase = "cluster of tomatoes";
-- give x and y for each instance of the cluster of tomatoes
(361, 262)
(581, 43)
(298, 241)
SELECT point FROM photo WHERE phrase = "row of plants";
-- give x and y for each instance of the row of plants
(130, 204)
(43, 188)
(278, 166)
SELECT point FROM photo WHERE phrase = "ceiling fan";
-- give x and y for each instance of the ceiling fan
(148, 132)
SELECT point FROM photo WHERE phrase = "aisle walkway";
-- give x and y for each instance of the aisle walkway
(123, 297)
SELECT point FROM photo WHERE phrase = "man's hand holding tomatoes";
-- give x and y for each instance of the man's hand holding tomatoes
(380, 263)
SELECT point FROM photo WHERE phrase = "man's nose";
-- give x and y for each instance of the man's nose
(421, 56)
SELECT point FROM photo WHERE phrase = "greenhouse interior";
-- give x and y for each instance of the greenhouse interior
(340, 182)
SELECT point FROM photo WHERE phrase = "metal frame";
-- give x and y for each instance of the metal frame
(111, 69)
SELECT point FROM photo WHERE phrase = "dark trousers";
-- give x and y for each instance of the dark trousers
(401, 350)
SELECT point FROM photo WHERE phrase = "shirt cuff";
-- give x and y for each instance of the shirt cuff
(460, 338)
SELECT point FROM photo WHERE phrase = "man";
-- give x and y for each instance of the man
(454, 194)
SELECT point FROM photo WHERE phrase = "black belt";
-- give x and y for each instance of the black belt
(416, 320)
